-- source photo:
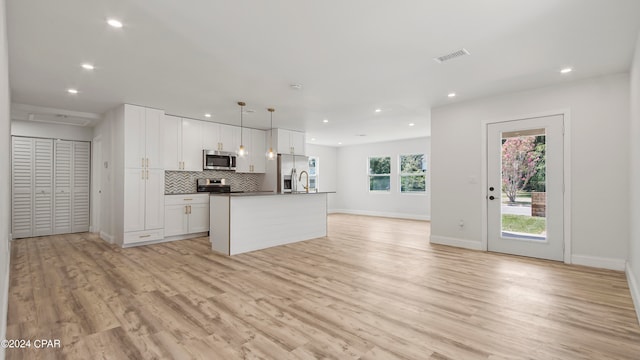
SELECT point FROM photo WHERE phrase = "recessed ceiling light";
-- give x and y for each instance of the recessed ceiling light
(378, 110)
(339, 143)
(325, 121)
(313, 139)
(207, 115)
(88, 66)
(115, 23)
(411, 124)
(72, 91)
(452, 94)
(566, 70)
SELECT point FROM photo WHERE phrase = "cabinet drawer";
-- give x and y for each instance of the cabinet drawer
(186, 199)
(143, 236)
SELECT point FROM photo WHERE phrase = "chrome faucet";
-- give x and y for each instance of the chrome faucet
(300, 179)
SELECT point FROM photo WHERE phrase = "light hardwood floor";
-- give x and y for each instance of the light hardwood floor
(373, 289)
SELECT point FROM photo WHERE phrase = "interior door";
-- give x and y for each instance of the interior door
(22, 187)
(62, 182)
(43, 187)
(526, 187)
(80, 210)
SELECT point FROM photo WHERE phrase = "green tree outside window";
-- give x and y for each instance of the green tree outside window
(380, 173)
(413, 169)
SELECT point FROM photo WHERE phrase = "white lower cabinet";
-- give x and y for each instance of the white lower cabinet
(186, 214)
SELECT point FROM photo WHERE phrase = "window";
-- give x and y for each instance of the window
(314, 173)
(380, 173)
(413, 169)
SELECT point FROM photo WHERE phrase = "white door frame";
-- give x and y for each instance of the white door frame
(96, 185)
(566, 113)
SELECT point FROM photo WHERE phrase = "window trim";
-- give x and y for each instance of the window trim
(369, 175)
(401, 175)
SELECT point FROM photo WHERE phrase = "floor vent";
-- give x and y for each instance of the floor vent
(451, 56)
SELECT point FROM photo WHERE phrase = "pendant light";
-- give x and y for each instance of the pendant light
(241, 151)
(271, 155)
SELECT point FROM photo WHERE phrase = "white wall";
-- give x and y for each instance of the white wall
(353, 181)
(633, 266)
(328, 156)
(5, 150)
(599, 112)
(53, 131)
(107, 130)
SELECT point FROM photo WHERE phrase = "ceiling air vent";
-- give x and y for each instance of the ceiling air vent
(451, 56)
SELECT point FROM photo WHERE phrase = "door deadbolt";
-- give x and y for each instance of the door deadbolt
(491, 188)
(491, 197)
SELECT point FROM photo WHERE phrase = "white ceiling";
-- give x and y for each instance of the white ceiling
(199, 56)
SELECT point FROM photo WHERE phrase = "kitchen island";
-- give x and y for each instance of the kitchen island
(246, 222)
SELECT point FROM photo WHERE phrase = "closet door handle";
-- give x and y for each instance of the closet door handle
(142, 163)
(186, 209)
(142, 174)
(147, 174)
(147, 162)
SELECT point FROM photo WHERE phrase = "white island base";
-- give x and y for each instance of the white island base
(246, 222)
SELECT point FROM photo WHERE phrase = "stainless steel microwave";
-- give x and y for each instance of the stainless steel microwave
(218, 160)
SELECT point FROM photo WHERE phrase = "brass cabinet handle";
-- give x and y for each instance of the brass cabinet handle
(144, 236)
(189, 199)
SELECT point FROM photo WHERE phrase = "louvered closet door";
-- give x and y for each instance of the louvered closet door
(62, 187)
(80, 187)
(22, 187)
(43, 187)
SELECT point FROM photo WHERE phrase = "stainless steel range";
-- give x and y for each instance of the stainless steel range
(213, 186)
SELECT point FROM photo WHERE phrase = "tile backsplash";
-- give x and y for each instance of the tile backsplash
(184, 182)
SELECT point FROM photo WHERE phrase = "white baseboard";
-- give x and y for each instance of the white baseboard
(381, 214)
(461, 243)
(164, 240)
(599, 262)
(106, 237)
(634, 288)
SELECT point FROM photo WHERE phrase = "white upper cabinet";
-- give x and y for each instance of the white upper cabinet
(153, 147)
(229, 138)
(221, 137)
(134, 136)
(171, 132)
(255, 144)
(183, 143)
(289, 142)
(210, 136)
(192, 134)
(142, 137)
(258, 143)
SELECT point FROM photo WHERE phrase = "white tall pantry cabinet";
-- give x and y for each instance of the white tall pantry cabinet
(138, 171)
(144, 175)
